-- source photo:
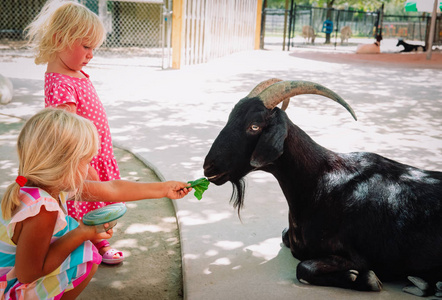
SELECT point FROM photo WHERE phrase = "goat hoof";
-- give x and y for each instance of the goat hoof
(438, 291)
(353, 275)
(419, 288)
(366, 281)
(414, 290)
(419, 282)
(374, 282)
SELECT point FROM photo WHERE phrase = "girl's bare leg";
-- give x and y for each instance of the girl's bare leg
(73, 294)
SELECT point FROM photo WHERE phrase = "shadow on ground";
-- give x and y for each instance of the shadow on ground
(147, 233)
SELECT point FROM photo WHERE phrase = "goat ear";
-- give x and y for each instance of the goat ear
(270, 145)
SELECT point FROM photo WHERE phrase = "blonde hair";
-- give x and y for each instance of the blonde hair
(59, 24)
(50, 147)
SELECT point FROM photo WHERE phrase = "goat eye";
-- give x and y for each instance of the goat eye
(254, 127)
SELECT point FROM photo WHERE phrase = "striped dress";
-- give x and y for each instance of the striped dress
(68, 275)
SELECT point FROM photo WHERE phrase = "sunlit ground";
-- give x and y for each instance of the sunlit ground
(172, 117)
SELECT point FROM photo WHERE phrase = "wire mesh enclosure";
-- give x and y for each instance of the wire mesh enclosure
(409, 28)
(130, 24)
(332, 24)
(15, 15)
(135, 27)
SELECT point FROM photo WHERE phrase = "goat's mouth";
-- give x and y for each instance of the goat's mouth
(219, 179)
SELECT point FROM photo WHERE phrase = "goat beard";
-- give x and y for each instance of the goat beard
(237, 198)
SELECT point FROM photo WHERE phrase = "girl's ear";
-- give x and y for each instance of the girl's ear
(271, 142)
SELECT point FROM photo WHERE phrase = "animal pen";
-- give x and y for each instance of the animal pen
(167, 32)
(284, 27)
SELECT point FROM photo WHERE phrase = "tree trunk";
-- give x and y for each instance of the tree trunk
(329, 17)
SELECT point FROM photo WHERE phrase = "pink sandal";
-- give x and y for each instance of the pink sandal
(108, 257)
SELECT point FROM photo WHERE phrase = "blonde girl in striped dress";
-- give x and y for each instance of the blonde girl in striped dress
(44, 253)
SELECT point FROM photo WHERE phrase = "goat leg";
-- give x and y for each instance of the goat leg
(419, 287)
(285, 237)
(438, 289)
(337, 272)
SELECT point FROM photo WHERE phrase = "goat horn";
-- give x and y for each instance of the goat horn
(279, 91)
(265, 84)
(262, 86)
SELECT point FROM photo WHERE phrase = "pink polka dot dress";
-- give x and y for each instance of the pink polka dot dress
(62, 89)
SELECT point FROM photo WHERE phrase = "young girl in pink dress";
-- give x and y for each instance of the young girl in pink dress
(65, 34)
(44, 253)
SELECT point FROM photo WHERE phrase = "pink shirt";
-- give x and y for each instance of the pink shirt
(62, 89)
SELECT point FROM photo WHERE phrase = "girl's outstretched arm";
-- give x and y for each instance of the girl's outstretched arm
(125, 191)
(36, 256)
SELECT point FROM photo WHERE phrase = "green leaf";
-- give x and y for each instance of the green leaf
(200, 185)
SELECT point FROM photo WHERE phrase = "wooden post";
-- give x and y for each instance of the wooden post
(285, 24)
(177, 27)
(258, 24)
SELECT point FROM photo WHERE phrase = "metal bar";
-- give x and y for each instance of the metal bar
(337, 26)
(432, 26)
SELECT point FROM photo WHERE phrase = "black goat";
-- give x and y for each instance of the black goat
(352, 217)
(410, 47)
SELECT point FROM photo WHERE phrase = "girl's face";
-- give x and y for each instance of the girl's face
(77, 57)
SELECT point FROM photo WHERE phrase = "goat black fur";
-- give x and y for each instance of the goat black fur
(410, 47)
(354, 218)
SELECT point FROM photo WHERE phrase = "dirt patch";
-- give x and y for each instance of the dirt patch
(406, 60)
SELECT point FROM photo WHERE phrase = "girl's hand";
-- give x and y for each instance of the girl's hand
(105, 235)
(176, 189)
(91, 232)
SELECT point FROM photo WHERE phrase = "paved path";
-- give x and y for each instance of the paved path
(147, 234)
(170, 119)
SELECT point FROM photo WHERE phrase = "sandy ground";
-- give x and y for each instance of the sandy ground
(346, 54)
(147, 233)
(406, 60)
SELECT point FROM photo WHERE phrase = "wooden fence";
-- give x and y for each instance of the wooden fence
(207, 29)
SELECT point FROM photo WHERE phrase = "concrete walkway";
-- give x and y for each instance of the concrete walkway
(170, 119)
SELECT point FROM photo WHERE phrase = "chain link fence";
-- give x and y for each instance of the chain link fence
(282, 25)
(15, 15)
(133, 27)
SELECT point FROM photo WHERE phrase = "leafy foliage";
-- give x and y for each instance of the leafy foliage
(200, 186)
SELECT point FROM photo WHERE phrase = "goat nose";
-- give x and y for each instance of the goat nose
(208, 168)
